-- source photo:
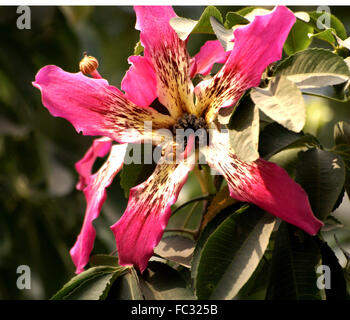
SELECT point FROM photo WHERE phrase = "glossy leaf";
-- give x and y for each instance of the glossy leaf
(298, 38)
(293, 269)
(314, 68)
(229, 251)
(322, 175)
(177, 249)
(244, 130)
(269, 145)
(342, 148)
(233, 19)
(283, 102)
(184, 27)
(225, 36)
(126, 287)
(161, 282)
(92, 284)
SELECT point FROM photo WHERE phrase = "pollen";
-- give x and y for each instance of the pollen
(88, 64)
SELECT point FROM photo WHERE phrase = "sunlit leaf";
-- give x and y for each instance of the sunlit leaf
(314, 68)
(229, 251)
(283, 102)
(298, 38)
(177, 249)
(244, 130)
(92, 284)
(184, 27)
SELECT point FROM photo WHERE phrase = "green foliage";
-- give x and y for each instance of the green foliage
(314, 68)
(229, 251)
(294, 261)
(283, 102)
(322, 175)
(184, 27)
(298, 38)
(92, 284)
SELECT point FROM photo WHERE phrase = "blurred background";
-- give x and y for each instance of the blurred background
(41, 213)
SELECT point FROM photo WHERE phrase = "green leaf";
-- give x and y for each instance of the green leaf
(233, 19)
(293, 269)
(177, 249)
(244, 130)
(342, 148)
(283, 102)
(298, 38)
(229, 251)
(103, 260)
(275, 138)
(314, 68)
(325, 35)
(161, 282)
(137, 171)
(138, 48)
(225, 36)
(322, 175)
(335, 23)
(92, 284)
(184, 27)
(126, 287)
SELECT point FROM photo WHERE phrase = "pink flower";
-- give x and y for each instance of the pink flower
(164, 72)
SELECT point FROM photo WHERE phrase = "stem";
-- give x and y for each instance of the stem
(201, 198)
(202, 181)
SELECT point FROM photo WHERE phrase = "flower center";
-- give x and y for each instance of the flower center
(191, 131)
(190, 121)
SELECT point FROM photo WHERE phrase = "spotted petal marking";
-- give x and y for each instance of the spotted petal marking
(141, 227)
(96, 108)
(264, 184)
(169, 57)
(257, 45)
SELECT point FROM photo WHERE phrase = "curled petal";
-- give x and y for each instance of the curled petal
(140, 81)
(257, 45)
(100, 148)
(169, 57)
(141, 227)
(264, 184)
(96, 108)
(95, 194)
(210, 53)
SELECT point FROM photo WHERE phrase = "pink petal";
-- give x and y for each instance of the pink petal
(95, 194)
(140, 82)
(100, 147)
(210, 53)
(94, 107)
(169, 57)
(264, 184)
(257, 45)
(141, 227)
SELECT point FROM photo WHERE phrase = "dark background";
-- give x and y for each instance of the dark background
(40, 211)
